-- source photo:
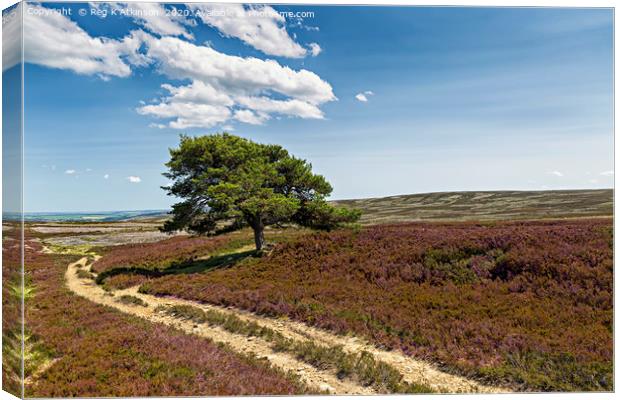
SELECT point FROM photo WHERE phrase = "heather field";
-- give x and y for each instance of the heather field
(11, 309)
(494, 306)
(524, 304)
(75, 347)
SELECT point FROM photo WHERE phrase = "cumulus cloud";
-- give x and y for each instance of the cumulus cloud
(222, 87)
(134, 179)
(556, 173)
(106, 176)
(198, 92)
(259, 26)
(53, 40)
(152, 16)
(315, 49)
(250, 117)
(70, 171)
(225, 87)
(187, 115)
(607, 173)
(183, 60)
(11, 33)
(363, 97)
(292, 107)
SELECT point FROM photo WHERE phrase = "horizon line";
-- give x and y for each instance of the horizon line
(331, 200)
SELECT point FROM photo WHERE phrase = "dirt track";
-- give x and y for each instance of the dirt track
(412, 370)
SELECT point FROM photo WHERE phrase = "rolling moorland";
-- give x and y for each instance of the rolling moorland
(484, 206)
(487, 291)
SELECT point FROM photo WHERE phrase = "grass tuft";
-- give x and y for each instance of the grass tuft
(132, 300)
(184, 312)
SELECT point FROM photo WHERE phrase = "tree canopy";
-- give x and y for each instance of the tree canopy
(228, 182)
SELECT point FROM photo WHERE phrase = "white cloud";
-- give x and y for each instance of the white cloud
(225, 87)
(106, 176)
(198, 92)
(222, 87)
(54, 41)
(11, 33)
(250, 117)
(556, 173)
(187, 115)
(155, 19)
(315, 49)
(292, 107)
(363, 97)
(88, 170)
(152, 16)
(259, 26)
(70, 172)
(134, 179)
(232, 74)
(607, 173)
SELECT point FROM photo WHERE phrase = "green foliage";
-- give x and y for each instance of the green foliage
(552, 372)
(131, 300)
(184, 312)
(82, 274)
(228, 182)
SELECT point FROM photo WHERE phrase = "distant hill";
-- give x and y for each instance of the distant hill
(492, 205)
(90, 217)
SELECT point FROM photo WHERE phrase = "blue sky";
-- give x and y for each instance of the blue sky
(456, 99)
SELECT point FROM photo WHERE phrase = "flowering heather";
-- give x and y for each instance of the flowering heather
(11, 310)
(159, 254)
(142, 260)
(528, 304)
(101, 352)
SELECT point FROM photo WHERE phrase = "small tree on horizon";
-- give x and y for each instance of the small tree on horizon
(228, 182)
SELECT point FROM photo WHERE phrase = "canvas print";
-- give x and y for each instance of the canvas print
(211, 199)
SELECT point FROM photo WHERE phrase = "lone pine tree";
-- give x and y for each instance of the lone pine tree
(228, 182)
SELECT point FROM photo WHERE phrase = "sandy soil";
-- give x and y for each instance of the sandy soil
(412, 370)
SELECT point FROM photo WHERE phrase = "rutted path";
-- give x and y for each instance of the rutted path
(413, 371)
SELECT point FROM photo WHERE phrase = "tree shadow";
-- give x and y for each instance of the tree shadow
(188, 267)
(211, 263)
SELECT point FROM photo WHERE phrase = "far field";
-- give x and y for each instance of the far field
(484, 206)
(496, 291)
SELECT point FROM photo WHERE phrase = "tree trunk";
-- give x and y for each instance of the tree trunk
(259, 237)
